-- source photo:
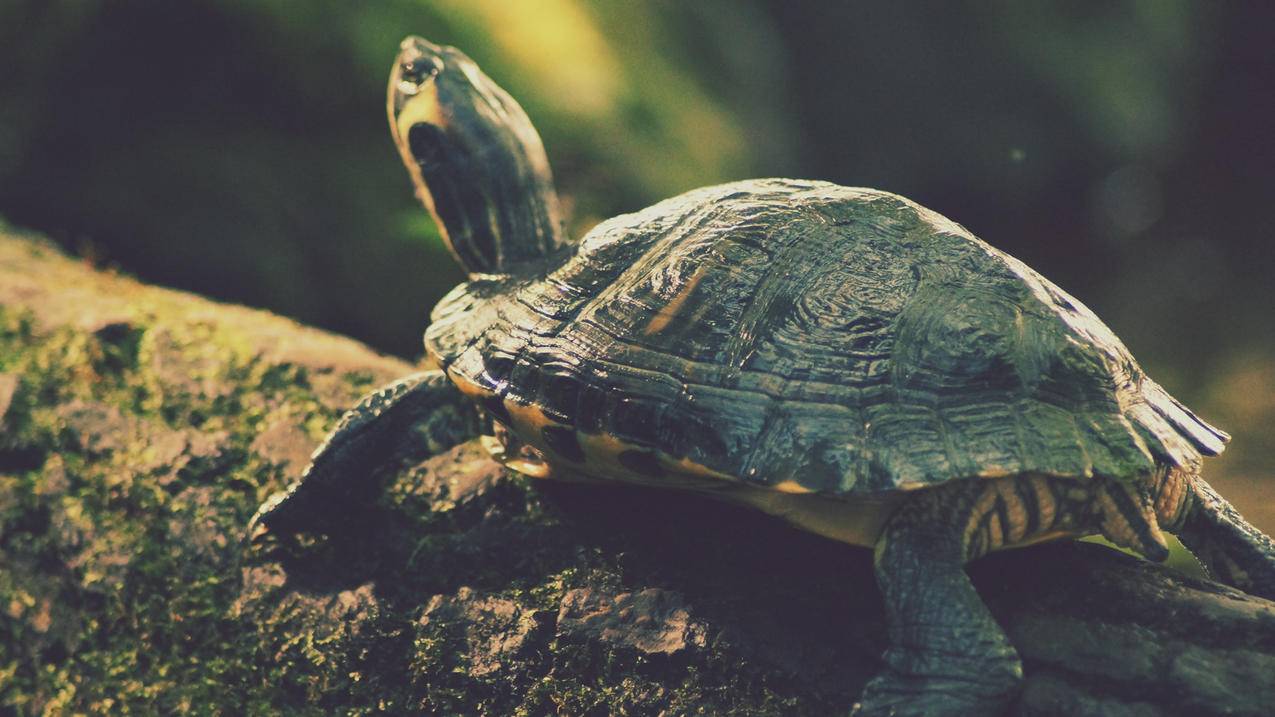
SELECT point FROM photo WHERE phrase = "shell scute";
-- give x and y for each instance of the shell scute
(842, 340)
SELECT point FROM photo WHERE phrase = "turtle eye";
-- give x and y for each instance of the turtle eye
(420, 68)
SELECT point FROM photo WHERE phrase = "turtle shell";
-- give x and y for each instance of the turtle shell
(808, 337)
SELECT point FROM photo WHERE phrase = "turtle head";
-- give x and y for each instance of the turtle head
(477, 162)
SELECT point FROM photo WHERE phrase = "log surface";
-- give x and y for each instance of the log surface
(140, 427)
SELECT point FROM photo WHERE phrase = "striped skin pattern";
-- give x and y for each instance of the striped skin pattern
(947, 654)
(1022, 510)
(783, 332)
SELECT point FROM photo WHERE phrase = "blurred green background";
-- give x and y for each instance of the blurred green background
(238, 148)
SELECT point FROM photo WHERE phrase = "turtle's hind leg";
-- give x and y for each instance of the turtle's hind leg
(1231, 549)
(412, 418)
(947, 654)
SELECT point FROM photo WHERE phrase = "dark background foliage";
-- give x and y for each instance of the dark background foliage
(238, 148)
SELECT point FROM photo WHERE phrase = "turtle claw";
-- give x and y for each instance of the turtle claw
(274, 515)
(258, 526)
(258, 531)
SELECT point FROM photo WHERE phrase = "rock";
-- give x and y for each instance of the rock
(652, 621)
(494, 630)
(285, 443)
(101, 429)
(188, 361)
(53, 481)
(257, 584)
(194, 525)
(168, 453)
(97, 428)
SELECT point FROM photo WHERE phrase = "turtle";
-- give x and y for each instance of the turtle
(840, 357)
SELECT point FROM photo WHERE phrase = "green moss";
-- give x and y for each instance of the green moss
(119, 599)
(129, 468)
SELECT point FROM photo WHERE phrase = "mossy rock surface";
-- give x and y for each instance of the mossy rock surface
(142, 427)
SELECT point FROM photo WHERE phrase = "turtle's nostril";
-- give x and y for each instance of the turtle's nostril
(419, 59)
(417, 67)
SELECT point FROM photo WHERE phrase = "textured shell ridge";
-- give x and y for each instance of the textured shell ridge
(844, 340)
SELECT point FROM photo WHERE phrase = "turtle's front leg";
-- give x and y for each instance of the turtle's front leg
(947, 655)
(413, 418)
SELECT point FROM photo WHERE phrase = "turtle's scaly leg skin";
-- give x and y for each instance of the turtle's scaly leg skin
(1232, 550)
(413, 418)
(947, 654)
